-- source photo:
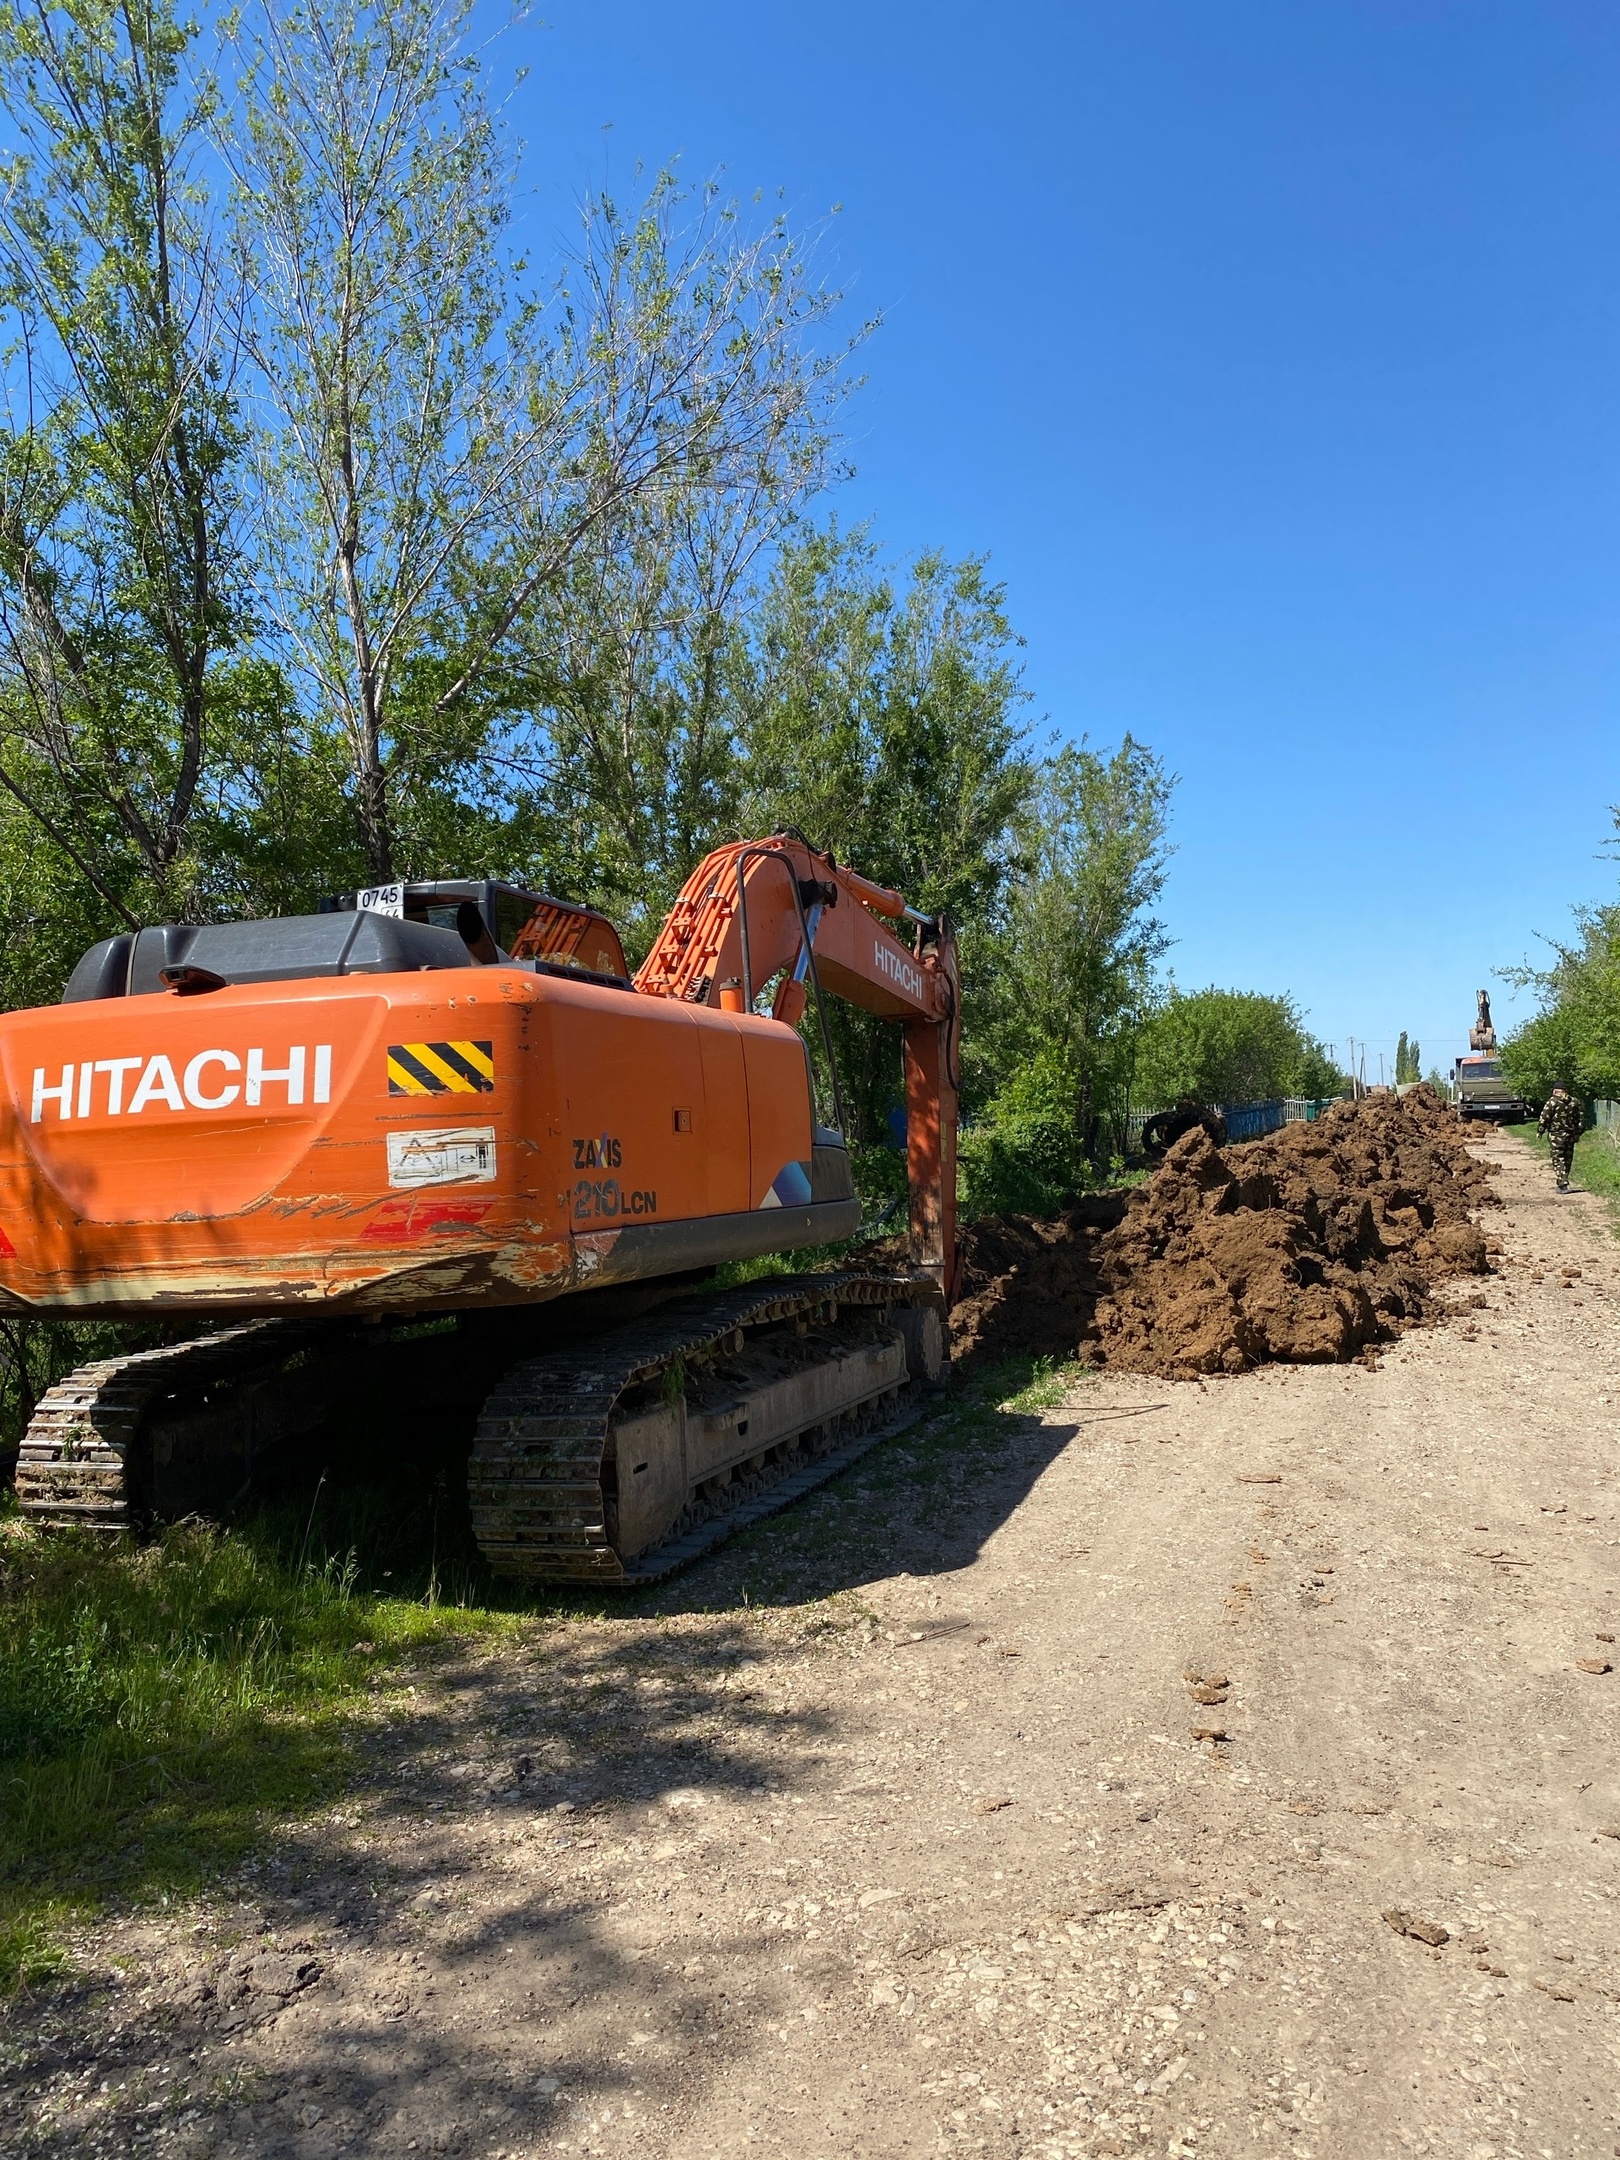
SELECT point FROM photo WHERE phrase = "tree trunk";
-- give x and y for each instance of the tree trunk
(376, 833)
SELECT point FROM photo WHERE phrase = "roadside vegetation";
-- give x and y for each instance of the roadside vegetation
(1573, 1041)
(1230, 1046)
(161, 1704)
(1595, 1167)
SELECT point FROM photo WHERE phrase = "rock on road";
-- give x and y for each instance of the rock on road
(939, 1863)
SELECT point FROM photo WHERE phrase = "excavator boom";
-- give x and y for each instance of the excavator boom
(760, 910)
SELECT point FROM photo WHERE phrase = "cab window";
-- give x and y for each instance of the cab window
(563, 936)
(599, 949)
(512, 913)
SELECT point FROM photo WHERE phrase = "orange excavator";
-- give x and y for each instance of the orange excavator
(433, 1152)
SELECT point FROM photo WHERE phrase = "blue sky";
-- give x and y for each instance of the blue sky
(1272, 354)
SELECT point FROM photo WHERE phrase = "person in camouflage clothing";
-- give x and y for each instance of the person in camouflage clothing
(1562, 1119)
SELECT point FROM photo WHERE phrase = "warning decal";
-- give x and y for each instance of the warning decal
(441, 1068)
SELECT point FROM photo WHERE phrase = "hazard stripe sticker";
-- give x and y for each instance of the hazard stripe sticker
(441, 1068)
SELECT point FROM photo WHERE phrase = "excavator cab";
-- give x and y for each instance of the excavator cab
(497, 921)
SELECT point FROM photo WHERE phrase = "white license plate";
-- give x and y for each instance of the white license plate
(461, 1155)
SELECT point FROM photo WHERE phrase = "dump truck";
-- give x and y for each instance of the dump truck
(1480, 1089)
(434, 1152)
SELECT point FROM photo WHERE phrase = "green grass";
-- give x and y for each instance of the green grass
(1048, 1387)
(1596, 1167)
(162, 1706)
(807, 1260)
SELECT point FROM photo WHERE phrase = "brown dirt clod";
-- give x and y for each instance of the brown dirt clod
(1306, 1247)
(1423, 1931)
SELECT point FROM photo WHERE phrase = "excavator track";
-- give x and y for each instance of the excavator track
(87, 1456)
(542, 1470)
(180, 1429)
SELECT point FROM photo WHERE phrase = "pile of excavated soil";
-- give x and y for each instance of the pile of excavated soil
(1307, 1247)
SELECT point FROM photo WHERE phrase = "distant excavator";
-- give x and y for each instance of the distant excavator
(1479, 1087)
(434, 1148)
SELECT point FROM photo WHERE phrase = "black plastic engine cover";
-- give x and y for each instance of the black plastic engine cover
(281, 948)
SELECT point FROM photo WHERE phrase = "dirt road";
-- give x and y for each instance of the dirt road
(891, 1833)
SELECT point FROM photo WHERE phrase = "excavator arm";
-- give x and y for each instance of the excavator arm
(780, 910)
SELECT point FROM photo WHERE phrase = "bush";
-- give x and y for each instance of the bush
(880, 1182)
(1022, 1157)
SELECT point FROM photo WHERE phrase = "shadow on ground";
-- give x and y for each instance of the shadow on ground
(922, 1500)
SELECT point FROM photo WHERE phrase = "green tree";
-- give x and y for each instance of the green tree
(1555, 1049)
(51, 914)
(641, 663)
(121, 578)
(1403, 1060)
(445, 447)
(1574, 1040)
(466, 596)
(1230, 1046)
(1068, 972)
(881, 716)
